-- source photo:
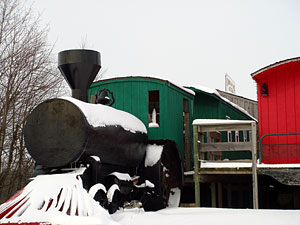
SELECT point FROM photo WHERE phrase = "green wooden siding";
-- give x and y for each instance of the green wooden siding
(205, 107)
(210, 106)
(131, 95)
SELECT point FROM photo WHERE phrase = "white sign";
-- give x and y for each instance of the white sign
(229, 84)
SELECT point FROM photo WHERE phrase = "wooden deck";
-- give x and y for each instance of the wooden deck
(229, 177)
(287, 174)
(214, 126)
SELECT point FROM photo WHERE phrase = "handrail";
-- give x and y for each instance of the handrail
(271, 134)
(206, 125)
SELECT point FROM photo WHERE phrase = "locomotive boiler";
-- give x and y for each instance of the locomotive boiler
(69, 132)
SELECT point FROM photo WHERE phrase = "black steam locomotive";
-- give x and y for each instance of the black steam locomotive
(59, 135)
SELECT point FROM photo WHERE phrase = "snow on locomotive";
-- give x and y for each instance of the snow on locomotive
(105, 148)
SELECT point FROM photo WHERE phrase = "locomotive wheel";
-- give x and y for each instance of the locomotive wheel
(166, 174)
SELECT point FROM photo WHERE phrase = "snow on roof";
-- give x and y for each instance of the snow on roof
(220, 122)
(55, 199)
(216, 93)
(153, 78)
(235, 95)
(236, 106)
(204, 89)
(99, 115)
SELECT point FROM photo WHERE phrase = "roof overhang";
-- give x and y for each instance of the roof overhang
(185, 90)
(275, 65)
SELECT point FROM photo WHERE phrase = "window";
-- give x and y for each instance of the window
(264, 90)
(153, 109)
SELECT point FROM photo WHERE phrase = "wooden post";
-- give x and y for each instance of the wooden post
(196, 166)
(254, 169)
(220, 195)
(213, 195)
(201, 139)
(229, 196)
(187, 148)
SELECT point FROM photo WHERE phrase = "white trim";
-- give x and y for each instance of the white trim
(274, 65)
(220, 122)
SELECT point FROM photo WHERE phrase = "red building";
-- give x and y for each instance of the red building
(278, 93)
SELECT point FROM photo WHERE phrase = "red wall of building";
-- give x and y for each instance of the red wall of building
(279, 111)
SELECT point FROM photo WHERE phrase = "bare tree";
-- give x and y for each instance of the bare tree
(83, 43)
(27, 77)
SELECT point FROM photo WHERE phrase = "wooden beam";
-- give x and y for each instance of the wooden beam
(220, 195)
(216, 135)
(229, 195)
(232, 171)
(196, 166)
(213, 195)
(254, 170)
(228, 127)
(225, 146)
(187, 148)
(200, 140)
(228, 178)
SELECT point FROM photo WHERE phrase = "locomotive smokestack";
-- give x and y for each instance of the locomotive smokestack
(79, 67)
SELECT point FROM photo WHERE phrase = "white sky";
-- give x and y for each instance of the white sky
(189, 42)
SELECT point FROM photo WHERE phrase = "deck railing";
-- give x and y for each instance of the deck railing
(279, 152)
(201, 126)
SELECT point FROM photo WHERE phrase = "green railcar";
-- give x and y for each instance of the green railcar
(175, 108)
(141, 95)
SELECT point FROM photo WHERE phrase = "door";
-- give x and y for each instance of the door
(186, 135)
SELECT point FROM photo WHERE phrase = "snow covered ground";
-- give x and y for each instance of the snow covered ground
(49, 198)
(208, 216)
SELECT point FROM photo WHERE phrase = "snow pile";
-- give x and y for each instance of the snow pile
(99, 115)
(153, 125)
(208, 216)
(174, 198)
(153, 118)
(55, 199)
(153, 154)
